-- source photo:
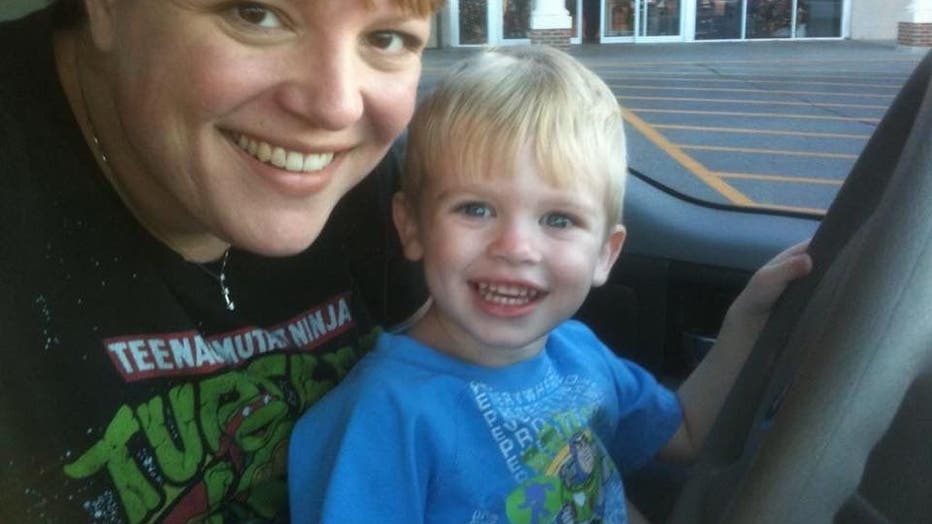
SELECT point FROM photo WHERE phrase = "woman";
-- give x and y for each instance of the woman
(178, 280)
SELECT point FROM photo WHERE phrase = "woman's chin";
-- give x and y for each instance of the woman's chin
(280, 243)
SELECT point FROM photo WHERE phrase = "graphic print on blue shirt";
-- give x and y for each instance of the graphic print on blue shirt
(563, 471)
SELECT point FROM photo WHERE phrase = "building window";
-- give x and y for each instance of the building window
(718, 19)
(517, 18)
(818, 18)
(619, 18)
(662, 18)
(474, 22)
(769, 18)
(722, 19)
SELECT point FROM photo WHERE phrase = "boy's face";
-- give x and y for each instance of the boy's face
(506, 259)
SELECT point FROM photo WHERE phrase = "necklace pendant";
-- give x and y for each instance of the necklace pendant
(227, 299)
(231, 306)
(224, 289)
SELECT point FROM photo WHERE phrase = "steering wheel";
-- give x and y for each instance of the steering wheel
(831, 416)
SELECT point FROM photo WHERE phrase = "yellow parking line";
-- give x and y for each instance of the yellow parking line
(777, 178)
(747, 90)
(714, 129)
(766, 151)
(775, 207)
(691, 165)
(754, 101)
(756, 115)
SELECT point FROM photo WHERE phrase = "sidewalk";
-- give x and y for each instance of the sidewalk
(764, 52)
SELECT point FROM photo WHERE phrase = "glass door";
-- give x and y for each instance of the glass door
(642, 20)
(619, 18)
(659, 20)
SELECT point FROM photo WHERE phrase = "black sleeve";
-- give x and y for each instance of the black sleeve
(392, 287)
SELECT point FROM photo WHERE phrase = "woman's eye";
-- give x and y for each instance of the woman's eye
(474, 209)
(394, 41)
(557, 220)
(387, 41)
(258, 15)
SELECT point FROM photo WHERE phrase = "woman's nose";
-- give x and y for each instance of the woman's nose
(325, 88)
(516, 243)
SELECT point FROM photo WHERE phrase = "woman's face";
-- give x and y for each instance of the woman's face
(248, 121)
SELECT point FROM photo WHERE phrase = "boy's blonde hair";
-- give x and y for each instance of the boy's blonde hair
(493, 103)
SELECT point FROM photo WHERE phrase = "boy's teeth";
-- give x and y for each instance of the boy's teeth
(503, 294)
(282, 158)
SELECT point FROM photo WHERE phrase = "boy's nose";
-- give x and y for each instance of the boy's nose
(324, 89)
(516, 243)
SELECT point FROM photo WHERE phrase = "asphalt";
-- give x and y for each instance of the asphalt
(775, 124)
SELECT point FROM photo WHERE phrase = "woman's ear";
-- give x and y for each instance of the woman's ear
(100, 20)
(405, 218)
(611, 248)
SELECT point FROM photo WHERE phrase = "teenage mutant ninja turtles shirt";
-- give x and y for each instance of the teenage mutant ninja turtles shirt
(128, 391)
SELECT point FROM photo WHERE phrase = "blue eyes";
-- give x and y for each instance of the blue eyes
(557, 220)
(475, 209)
(553, 220)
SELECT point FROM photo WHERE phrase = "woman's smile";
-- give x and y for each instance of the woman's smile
(283, 158)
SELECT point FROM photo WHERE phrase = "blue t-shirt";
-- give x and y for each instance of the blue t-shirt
(413, 435)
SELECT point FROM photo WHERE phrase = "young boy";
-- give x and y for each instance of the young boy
(493, 407)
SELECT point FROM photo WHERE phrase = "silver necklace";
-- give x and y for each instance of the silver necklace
(221, 277)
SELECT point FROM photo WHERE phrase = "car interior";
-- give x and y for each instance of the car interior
(828, 420)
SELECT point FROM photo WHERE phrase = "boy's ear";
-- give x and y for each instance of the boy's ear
(100, 18)
(609, 254)
(404, 216)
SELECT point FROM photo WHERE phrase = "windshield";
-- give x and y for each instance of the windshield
(753, 103)
(775, 126)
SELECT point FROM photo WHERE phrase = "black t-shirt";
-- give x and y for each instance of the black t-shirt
(128, 392)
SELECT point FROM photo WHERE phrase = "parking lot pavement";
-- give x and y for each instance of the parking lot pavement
(776, 125)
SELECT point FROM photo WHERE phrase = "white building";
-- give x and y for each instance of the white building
(480, 22)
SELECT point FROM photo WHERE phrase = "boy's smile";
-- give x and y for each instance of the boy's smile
(507, 299)
(507, 258)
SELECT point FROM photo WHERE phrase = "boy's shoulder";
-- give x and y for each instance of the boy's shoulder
(573, 333)
(573, 343)
(384, 388)
(573, 327)
(394, 371)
